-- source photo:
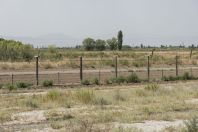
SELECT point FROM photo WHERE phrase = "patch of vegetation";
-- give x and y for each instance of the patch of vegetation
(133, 78)
(54, 115)
(152, 87)
(85, 82)
(47, 83)
(53, 94)
(23, 85)
(5, 116)
(10, 87)
(32, 103)
(96, 81)
(56, 125)
(186, 76)
(85, 96)
(192, 125)
(118, 80)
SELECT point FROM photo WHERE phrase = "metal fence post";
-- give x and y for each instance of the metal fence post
(37, 70)
(116, 66)
(81, 69)
(176, 61)
(148, 68)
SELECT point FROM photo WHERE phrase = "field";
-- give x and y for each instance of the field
(132, 108)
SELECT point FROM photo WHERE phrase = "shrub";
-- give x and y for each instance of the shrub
(186, 76)
(47, 83)
(120, 79)
(96, 81)
(86, 82)
(10, 87)
(133, 78)
(1, 86)
(23, 85)
(192, 125)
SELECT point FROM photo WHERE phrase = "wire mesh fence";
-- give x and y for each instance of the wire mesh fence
(74, 71)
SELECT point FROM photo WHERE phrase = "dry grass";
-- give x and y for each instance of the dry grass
(71, 60)
(99, 108)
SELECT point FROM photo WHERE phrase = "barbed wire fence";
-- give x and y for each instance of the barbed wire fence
(147, 68)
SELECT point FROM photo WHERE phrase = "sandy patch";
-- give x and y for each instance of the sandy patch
(192, 101)
(152, 126)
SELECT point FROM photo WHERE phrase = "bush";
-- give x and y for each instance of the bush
(10, 87)
(86, 82)
(96, 81)
(120, 79)
(47, 83)
(185, 76)
(133, 78)
(192, 125)
(23, 85)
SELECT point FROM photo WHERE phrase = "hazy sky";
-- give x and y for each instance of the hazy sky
(140, 20)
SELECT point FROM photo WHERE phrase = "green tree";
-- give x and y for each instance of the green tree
(100, 45)
(89, 44)
(112, 43)
(120, 40)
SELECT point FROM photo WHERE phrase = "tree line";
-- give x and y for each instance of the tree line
(90, 44)
(15, 51)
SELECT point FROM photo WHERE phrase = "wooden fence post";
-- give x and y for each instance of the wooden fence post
(81, 69)
(37, 70)
(58, 78)
(12, 76)
(162, 73)
(116, 66)
(148, 68)
(176, 61)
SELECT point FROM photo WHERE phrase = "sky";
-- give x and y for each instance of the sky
(151, 22)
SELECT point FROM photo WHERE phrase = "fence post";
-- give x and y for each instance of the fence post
(12, 79)
(37, 70)
(81, 69)
(148, 68)
(162, 73)
(191, 51)
(176, 60)
(58, 78)
(116, 66)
